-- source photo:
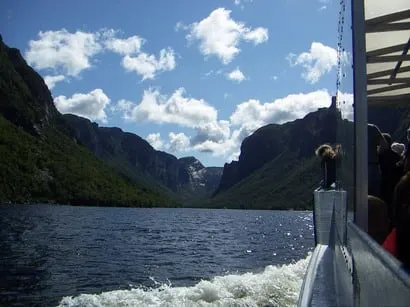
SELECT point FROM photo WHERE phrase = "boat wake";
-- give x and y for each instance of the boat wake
(275, 286)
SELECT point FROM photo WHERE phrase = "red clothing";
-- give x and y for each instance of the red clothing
(390, 243)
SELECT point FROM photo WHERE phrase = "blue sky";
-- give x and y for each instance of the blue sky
(191, 77)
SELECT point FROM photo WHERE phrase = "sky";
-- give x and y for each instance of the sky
(193, 78)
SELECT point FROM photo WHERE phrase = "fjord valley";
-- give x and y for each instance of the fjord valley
(67, 159)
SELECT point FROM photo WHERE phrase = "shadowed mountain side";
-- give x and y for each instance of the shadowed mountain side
(297, 140)
(286, 182)
(185, 179)
(39, 159)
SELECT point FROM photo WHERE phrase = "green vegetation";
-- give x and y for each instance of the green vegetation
(53, 168)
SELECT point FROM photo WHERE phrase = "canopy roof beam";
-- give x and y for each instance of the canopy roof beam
(388, 72)
(386, 27)
(387, 50)
(396, 69)
(387, 89)
(388, 81)
(389, 18)
(388, 58)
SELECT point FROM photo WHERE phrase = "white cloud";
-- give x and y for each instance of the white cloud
(318, 61)
(70, 52)
(241, 2)
(346, 105)
(178, 142)
(219, 35)
(176, 109)
(274, 78)
(214, 131)
(155, 140)
(52, 80)
(91, 105)
(322, 8)
(255, 114)
(148, 65)
(257, 36)
(221, 138)
(126, 46)
(236, 75)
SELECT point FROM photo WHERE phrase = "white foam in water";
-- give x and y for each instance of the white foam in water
(275, 286)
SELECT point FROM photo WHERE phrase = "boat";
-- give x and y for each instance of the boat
(348, 267)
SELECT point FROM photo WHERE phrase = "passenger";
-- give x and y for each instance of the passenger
(378, 227)
(398, 240)
(398, 148)
(390, 169)
(374, 180)
(328, 158)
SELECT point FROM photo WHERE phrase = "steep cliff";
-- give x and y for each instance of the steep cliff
(39, 159)
(129, 154)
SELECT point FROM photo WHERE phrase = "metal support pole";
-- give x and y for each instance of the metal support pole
(360, 113)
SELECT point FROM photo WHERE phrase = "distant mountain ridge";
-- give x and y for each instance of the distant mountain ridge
(134, 157)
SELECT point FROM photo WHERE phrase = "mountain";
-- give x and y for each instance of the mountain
(203, 181)
(40, 161)
(277, 168)
(184, 179)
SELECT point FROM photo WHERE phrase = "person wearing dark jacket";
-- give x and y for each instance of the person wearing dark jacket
(391, 170)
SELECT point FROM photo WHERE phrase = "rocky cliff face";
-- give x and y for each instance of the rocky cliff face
(138, 160)
(203, 181)
(25, 98)
(299, 137)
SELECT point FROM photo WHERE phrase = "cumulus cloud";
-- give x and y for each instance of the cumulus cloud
(280, 110)
(155, 140)
(52, 80)
(219, 35)
(178, 142)
(176, 109)
(91, 105)
(126, 46)
(236, 75)
(318, 61)
(213, 131)
(148, 65)
(70, 52)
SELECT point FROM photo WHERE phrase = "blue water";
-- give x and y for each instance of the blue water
(93, 256)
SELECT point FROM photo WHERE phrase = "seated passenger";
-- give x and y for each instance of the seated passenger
(398, 241)
(390, 169)
(378, 223)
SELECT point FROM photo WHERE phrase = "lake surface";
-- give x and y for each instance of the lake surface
(94, 256)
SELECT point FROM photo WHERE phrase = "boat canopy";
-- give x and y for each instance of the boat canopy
(387, 30)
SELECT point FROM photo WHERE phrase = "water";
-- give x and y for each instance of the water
(90, 256)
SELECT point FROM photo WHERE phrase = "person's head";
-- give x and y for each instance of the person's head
(324, 151)
(398, 148)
